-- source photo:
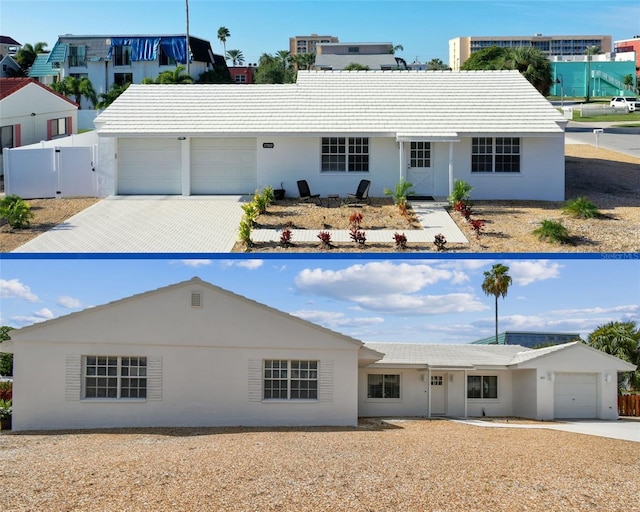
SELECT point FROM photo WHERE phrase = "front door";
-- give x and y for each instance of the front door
(420, 170)
(438, 392)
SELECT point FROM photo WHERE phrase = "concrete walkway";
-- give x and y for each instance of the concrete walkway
(624, 429)
(196, 224)
(431, 215)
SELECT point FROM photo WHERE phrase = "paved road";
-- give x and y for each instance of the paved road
(622, 140)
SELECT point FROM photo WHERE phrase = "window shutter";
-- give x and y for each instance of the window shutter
(154, 378)
(17, 136)
(49, 128)
(325, 381)
(73, 377)
(69, 125)
(196, 299)
(255, 380)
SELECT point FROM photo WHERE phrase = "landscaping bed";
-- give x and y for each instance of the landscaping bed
(395, 465)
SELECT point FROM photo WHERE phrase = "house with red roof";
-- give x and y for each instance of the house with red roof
(31, 112)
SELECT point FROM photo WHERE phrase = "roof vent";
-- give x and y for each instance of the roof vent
(196, 299)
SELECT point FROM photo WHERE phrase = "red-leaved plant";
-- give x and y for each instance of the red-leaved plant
(477, 226)
(285, 238)
(325, 239)
(401, 240)
(440, 241)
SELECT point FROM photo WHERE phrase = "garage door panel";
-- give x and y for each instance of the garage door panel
(575, 395)
(223, 166)
(149, 166)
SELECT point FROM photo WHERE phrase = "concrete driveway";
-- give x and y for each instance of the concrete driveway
(146, 224)
(624, 429)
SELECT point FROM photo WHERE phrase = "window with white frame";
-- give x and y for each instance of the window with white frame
(115, 377)
(121, 56)
(350, 154)
(482, 386)
(383, 385)
(59, 127)
(6, 138)
(499, 154)
(290, 379)
(436, 380)
(77, 56)
(420, 155)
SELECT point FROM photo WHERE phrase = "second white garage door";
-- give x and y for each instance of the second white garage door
(575, 395)
(223, 166)
(149, 166)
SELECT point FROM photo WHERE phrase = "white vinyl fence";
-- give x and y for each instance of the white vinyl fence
(50, 172)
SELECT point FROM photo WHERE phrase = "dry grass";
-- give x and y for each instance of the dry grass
(404, 466)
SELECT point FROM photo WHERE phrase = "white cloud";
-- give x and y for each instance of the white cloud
(527, 272)
(38, 316)
(422, 304)
(250, 264)
(14, 289)
(336, 320)
(195, 263)
(69, 302)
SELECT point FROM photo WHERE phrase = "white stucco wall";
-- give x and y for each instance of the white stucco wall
(106, 166)
(501, 406)
(525, 400)
(413, 399)
(209, 357)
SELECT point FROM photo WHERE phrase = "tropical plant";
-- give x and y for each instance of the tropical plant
(358, 236)
(400, 192)
(325, 239)
(244, 232)
(440, 241)
(175, 76)
(26, 55)
(589, 52)
(16, 212)
(396, 48)
(271, 71)
(235, 56)
(496, 282)
(223, 35)
(552, 231)
(477, 226)
(5, 409)
(304, 60)
(6, 360)
(283, 58)
(107, 98)
(6, 390)
(77, 88)
(250, 212)
(437, 65)
(620, 339)
(285, 238)
(627, 80)
(461, 192)
(400, 240)
(262, 199)
(582, 208)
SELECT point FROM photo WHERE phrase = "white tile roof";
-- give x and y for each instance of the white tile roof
(437, 104)
(447, 356)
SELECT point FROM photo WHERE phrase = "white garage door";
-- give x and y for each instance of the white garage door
(223, 166)
(575, 395)
(149, 166)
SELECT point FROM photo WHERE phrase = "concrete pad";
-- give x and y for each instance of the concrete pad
(146, 224)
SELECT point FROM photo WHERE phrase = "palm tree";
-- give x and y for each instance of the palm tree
(396, 48)
(28, 53)
(78, 88)
(223, 35)
(177, 76)
(620, 339)
(533, 65)
(304, 60)
(284, 57)
(107, 98)
(496, 282)
(437, 64)
(355, 66)
(235, 56)
(589, 51)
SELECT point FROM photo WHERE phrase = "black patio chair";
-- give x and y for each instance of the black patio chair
(362, 194)
(305, 192)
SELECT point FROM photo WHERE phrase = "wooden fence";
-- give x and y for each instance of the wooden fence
(629, 405)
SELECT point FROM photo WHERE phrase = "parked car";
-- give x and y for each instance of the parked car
(630, 103)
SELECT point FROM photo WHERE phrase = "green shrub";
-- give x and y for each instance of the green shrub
(581, 208)
(552, 231)
(244, 232)
(402, 189)
(250, 212)
(461, 192)
(16, 212)
(5, 409)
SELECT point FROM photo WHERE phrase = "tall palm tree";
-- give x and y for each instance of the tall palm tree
(223, 35)
(496, 282)
(284, 58)
(396, 48)
(28, 53)
(620, 339)
(77, 88)
(304, 60)
(533, 65)
(235, 56)
(589, 52)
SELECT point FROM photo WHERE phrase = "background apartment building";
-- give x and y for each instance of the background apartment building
(307, 44)
(461, 48)
(629, 45)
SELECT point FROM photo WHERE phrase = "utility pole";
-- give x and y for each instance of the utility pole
(188, 49)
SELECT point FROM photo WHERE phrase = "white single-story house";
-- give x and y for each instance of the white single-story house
(334, 128)
(31, 112)
(193, 354)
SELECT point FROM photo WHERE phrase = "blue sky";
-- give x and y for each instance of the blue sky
(423, 27)
(410, 300)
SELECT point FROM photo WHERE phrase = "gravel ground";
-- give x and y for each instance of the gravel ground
(610, 180)
(404, 466)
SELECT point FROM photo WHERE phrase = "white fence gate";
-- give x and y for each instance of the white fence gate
(50, 172)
